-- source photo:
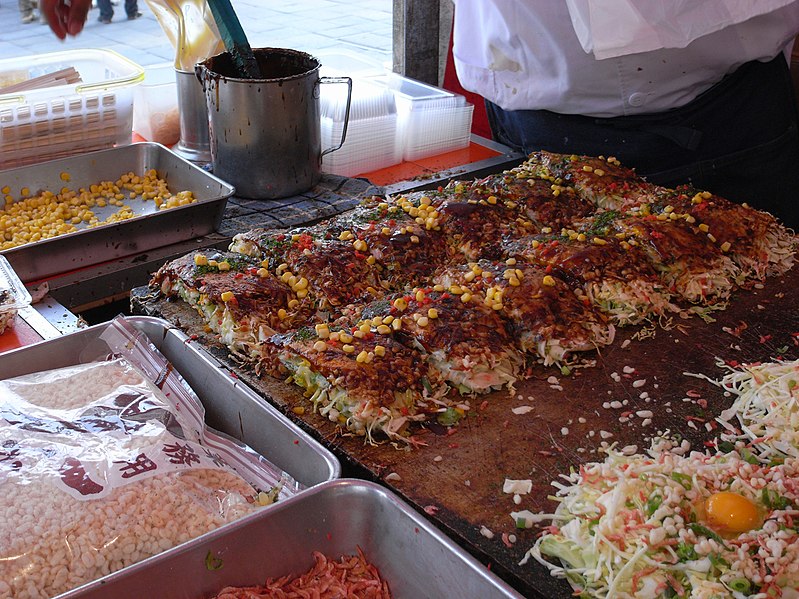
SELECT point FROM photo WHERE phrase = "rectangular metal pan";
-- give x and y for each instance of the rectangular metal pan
(231, 407)
(334, 518)
(151, 228)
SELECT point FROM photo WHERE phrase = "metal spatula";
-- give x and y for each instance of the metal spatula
(234, 39)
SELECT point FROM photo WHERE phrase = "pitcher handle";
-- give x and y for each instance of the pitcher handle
(348, 81)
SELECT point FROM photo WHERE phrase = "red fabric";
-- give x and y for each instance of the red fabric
(451, 83)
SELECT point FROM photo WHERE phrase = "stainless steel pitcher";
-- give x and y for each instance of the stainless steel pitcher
(264, 133)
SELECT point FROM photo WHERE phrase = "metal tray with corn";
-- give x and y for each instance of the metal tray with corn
(84, 210)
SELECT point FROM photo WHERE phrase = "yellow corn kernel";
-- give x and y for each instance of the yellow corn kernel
(711, 237)
(548, 281)
(347, 348)
(397, 324)
(263, 273)
(438, 288)
(302, 294)
(432, 313)
(420, 296)
(226, 296)
(599, 241)
(370, 260)
(704, 228)
(388, 319)
(513, 282)
(365, 327)
(466, 297)
(455, 290)
(400, 303)
(587, 168)
(377, 321)
(200, 259)
(383, 329)
(423, 321)
(293, 304)
(320, 345)
(362, 357)
(599, 172)
(334, 335)
(282, 314)
(725, 247)
(322, 331)
(380, 351)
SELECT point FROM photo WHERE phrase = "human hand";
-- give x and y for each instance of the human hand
(65, 17)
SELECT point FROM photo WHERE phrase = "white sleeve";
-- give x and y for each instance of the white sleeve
(612, 28)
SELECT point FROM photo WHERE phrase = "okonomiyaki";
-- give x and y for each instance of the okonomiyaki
(545, 315)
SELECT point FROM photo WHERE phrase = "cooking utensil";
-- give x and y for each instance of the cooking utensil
(234, 38)
(264, 135)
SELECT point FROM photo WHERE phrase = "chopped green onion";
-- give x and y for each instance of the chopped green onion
(426, 384)
(212, 562)
(686, 552)
(683, 479)
(741, 585)
(652, 504)
(706, 532)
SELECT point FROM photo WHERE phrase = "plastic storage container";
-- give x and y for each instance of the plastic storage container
(13, 294)
(58, 121)
(156, 116)
(430, 120)
(371, 141)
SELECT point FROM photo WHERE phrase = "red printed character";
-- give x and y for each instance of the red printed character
(138, 466)
(181, 454)
(73, 474)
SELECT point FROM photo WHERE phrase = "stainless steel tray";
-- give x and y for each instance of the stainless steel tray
(230, 406)
(414, 558)
(149, 229)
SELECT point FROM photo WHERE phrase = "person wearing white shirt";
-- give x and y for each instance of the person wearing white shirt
(704, 101)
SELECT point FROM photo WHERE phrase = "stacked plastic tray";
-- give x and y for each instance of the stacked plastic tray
(53, 122)
(371, 142)
(430, 120)
(393, 118)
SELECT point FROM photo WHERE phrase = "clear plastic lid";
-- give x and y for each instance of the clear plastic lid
(13, 294)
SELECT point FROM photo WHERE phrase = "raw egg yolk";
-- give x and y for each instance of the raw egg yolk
(731, 512)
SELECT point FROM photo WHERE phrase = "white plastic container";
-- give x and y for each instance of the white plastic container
(156, 116)
(430, 120)
(371, 141)
(54, 122)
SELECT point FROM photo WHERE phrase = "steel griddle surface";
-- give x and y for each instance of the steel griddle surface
(458, 477)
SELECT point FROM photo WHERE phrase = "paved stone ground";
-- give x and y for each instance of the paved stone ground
(360, 26)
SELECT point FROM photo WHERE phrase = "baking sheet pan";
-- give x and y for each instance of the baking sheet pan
(335, 518)
(230, 406)
(151, 228)
(457, 477)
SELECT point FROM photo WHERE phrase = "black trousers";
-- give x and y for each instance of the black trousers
(739, 139)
